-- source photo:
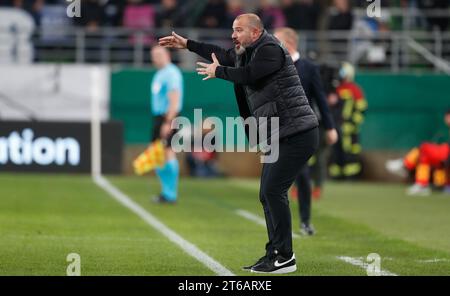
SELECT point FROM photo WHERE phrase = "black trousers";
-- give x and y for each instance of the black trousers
(318, 171)
(303, 183)
(276, 178)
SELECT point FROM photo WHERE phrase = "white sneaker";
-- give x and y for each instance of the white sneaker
(396, 167)
(418, 189)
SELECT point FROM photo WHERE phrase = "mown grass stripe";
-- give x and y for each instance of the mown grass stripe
(151, 220)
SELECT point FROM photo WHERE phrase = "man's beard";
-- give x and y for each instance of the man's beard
(239, 50)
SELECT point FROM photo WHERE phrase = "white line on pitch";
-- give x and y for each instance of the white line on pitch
(151, 220)
(433, 260)
(258, 220)
(362, 264)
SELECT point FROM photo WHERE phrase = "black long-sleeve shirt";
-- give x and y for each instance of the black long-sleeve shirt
(268, 59)
(256, 69)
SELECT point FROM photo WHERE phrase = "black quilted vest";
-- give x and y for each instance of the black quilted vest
(279, 94)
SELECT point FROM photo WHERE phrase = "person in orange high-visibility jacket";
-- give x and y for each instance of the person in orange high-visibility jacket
(430, 163)
(346, 161)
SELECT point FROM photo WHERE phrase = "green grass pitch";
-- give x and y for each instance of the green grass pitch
(44, 217)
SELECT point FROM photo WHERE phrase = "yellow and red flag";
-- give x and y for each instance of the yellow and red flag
(153, 157)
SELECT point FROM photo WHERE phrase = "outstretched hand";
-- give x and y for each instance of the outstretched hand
(173, 41)
(208, 69)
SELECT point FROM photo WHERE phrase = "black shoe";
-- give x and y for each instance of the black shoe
(276, 264)
(162, 200)
(307, 229)
(260, 260)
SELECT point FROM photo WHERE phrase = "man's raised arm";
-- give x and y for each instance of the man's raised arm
(225, 57)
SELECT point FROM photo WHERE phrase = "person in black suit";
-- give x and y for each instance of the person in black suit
(315, 92)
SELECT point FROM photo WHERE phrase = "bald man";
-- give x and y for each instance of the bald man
(267, 86)
(167, 100)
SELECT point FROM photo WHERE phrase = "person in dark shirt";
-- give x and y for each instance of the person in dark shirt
(439, 22)
(91, 15)
(266, 86)
(341, 17)
(315, 92)
(301, 15)
(167, 16)
(213, 15)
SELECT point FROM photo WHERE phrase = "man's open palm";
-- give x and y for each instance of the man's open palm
(209, 70)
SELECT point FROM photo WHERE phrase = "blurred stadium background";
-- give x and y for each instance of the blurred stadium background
(52, 65)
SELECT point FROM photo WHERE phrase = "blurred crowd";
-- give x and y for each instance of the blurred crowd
(298, 14)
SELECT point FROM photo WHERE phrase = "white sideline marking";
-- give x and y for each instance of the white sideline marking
(151, 220)
(258, 220)
(433, 260)
(364, 265)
